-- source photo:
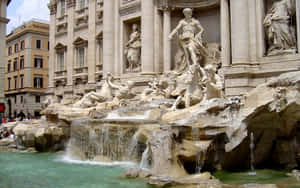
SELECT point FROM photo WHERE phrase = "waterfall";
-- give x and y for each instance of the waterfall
(252, 154)
(200, 156)
(102, 143)
(133, 148)
(144, 164)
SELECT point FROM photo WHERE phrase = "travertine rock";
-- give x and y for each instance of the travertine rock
(41, 135)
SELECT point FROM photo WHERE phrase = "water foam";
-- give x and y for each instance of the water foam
(114, 115)
(69, 160)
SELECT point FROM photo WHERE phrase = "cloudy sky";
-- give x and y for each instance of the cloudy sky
(20, 11)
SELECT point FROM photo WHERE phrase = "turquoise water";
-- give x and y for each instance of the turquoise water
(265, 176)
(48, 170)
(24, 170)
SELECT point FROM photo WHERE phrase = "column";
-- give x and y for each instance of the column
(147, 36)
(167, 42)
(70, 50)
(239, 31)
(298, 23)
(51, 63)
(108, 36)
(225, 32)
(91, 60)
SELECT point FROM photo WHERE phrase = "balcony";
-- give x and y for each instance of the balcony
(80, 73)
(60, 77)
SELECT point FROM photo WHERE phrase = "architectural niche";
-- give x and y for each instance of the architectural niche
(280, 28)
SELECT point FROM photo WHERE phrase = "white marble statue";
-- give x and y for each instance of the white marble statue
(191, 49)
(280, 31)
(133, 50)
(189, 89)
(213, 84)
(91, 99)
(123, 90)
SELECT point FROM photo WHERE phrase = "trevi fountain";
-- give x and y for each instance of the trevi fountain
(179, 128)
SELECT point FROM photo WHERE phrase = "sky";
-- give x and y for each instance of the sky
(20, 11)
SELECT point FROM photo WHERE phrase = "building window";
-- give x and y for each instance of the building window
(16, 48)
(15, 64)
(22, 81)
(38, 44)
(22, 45)
(80, 57)
(60, 62)
(63, 7)
(8, 66)
(16, 82)
(48, 45)
(22, 62)
(9, 51)
(15, 103)
(21, 99)
(81, 4)
(9, 79)
(38, 81)
(37, 99)
(38, 62)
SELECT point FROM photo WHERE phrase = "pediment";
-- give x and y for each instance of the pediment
(60, 47)
(80, 41)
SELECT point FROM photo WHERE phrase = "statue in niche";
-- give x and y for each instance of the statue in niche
(191, 49)
(133, 50)
(280, 30)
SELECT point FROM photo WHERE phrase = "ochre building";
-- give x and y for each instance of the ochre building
(26, 70)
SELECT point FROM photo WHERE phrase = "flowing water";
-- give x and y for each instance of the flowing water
(24, 170)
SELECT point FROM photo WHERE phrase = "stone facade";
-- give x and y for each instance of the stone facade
(3, 22)
(90, 39)
(26, 70)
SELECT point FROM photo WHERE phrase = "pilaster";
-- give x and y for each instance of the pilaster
(92, 42)
(108, 37)
(51, 63)
(147, 55)
(167, 42)
(240, 31)
(225, 32)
